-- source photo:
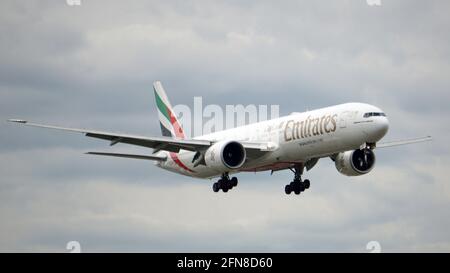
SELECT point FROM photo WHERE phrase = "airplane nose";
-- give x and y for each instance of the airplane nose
(382, 126)
(378, 129)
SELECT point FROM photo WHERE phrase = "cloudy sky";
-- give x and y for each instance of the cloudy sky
(93, 66)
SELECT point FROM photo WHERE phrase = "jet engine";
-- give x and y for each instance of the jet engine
(225, 155)
(354, 163)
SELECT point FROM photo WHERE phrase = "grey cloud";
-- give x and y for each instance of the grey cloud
(93, 66)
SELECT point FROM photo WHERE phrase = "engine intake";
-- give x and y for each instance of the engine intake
(225, 155)
(357, 162)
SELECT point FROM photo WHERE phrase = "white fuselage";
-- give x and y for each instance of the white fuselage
(297, 138)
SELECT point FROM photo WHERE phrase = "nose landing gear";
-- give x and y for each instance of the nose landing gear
(297, 185)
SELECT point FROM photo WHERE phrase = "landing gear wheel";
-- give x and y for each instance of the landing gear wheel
(288, 189)
(306, 183)
(225, 186)
(216, 187)
(234, 181)
(302, 187)
(298, 187)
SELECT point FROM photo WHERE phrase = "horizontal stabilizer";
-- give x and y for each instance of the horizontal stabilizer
(145, 157)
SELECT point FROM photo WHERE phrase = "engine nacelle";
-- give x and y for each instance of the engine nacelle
(354, 163)
(225, 155)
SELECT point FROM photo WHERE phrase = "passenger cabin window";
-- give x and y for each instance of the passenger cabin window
(374, 114)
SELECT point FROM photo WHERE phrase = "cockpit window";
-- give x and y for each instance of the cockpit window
(374, 114)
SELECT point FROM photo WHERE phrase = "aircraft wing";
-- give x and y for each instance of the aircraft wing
(161, 143)
(157, 143)
(403, 142)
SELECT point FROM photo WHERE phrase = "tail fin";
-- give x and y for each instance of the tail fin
(170, 126)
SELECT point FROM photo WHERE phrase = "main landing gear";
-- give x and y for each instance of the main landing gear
(225, 183)
(297, 186)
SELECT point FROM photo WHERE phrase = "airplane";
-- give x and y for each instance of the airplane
(347, 133)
